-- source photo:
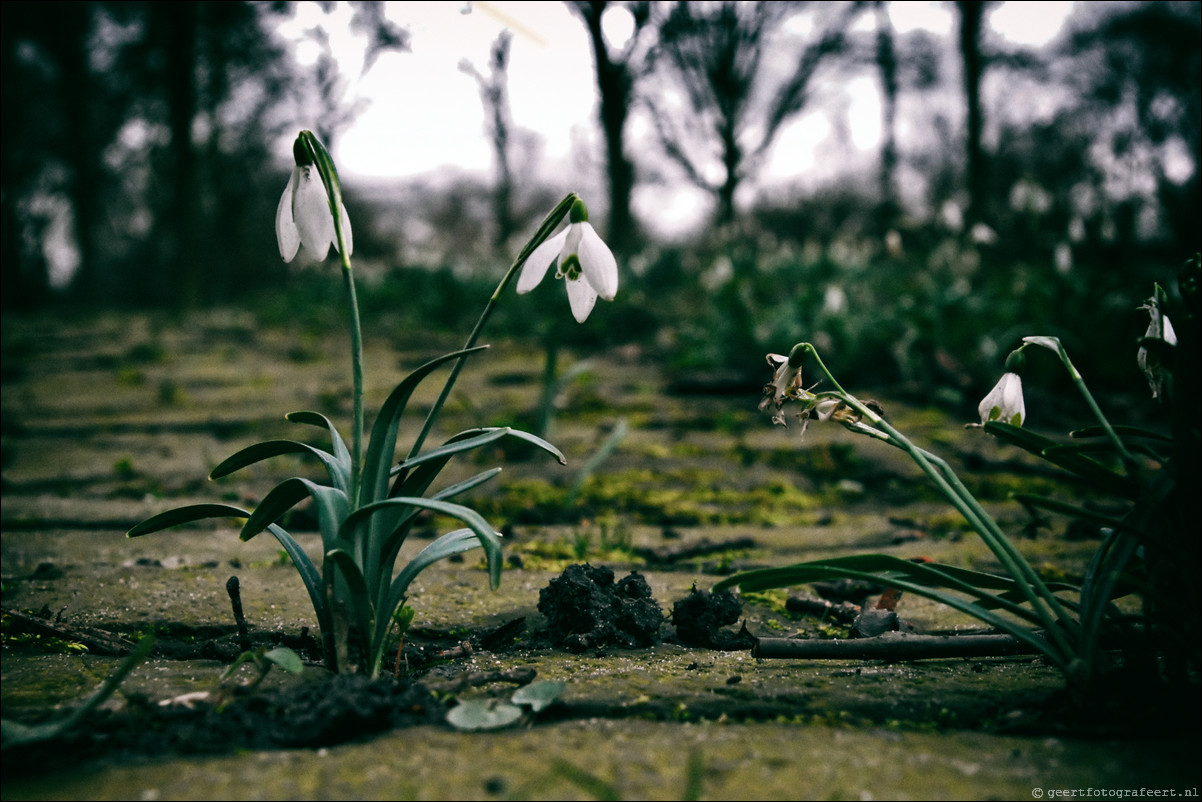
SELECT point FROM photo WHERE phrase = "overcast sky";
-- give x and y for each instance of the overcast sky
(423, 114)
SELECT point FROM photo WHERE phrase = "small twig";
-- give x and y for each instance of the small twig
(97, 640)
(475, 679)
(893, 646)
(841, 612)
(234, 589)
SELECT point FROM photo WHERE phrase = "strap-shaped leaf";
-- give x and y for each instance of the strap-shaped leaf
(885, 569)
(1071, 510)
(1122, 431)
(450, 491)
(1065, 457)
(419, 473)
(184, 515)
(464, 441)
(1091, 470)
(487, 536)
(308, 572)
(361, 609)
(331, 506)
(197, 512)
(451, 543)
(1023, 438)
(455, 542)
(339, 472)
(382, 446)
(341, 452)
(403, 520)
(819, 570)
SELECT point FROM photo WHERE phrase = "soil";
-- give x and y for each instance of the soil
(109, 420)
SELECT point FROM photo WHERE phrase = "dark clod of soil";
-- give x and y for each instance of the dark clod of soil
(700, 616)
(586, 609)
(333, 710)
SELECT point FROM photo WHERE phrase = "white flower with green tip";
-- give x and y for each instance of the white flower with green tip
(584, 262)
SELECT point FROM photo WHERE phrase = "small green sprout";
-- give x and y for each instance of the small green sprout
(495, 714)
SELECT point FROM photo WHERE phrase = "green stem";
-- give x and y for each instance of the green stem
(1079, 381)
(356, 378)
(549, 224)
(1043, 602)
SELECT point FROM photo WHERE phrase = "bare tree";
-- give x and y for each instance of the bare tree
(714, 53)
(617, 69)
(972, 16)
(494, 93)
(886, 62)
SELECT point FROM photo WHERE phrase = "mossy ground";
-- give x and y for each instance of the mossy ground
(110, 419)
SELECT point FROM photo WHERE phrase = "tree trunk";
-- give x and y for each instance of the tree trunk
(972, 13)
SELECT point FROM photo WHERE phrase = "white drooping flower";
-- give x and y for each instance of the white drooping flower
(1159, 328)
(303, 216)
(585, 263)
(1005, 401)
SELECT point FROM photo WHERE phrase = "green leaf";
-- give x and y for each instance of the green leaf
(309, 574)
(196, 512)
(365, 617)
(286, 659)
(382, 446)
(538, 695)
(1121, 431)
(339, 472)
(487, 536)
(450, 491)
(483, 714)
(13, 733)
(455, 542)
(341, 453)
(464, 441)
(331, 506)
(922, 579)
(1065, 457)
(1071, 510)
(184, 515)
(610, 444)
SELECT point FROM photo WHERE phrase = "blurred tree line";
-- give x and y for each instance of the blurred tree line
(1010, 184)
(138, 142)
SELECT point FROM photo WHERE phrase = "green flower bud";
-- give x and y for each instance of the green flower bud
(1016, 361)
(578, 213)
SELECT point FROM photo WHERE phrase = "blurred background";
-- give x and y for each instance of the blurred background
(911, 186)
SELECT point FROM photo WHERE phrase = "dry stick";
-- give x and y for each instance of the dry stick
(893, 647)
(234, 589)
(97, 640)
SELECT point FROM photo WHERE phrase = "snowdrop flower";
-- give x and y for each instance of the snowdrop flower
(1005, 401)
(785, 384)
(584, 262)
(303, 216)
(1159, 328)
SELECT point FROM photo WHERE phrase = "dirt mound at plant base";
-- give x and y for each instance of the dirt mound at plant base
(331, 710)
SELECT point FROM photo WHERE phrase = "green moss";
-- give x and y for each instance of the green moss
(684, 496)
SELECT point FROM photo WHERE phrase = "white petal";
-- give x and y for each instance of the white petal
(1005, 401)
(598, 263)
(1012, 397)
(311, 211)
(538, 262)
(285, 229)
(581, 297)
